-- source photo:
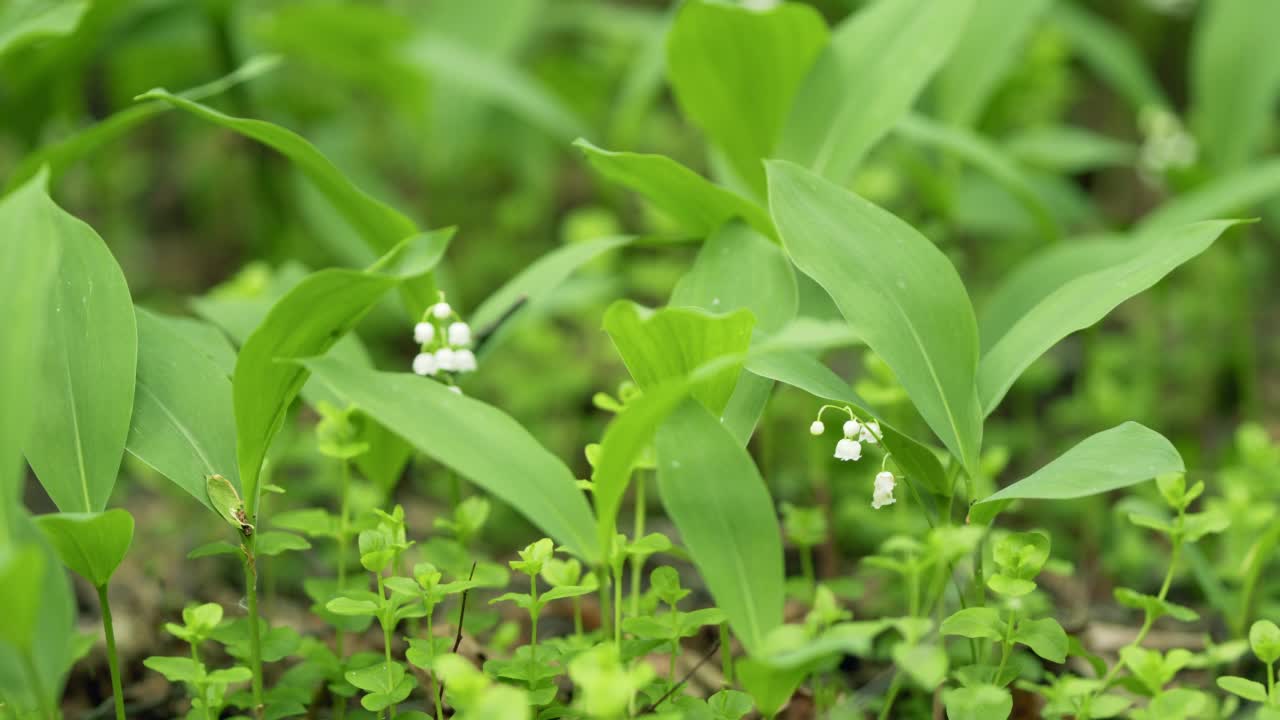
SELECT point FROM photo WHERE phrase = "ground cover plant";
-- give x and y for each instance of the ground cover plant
(522, 359)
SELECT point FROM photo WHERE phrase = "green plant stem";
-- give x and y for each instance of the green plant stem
(1271, 681)
(577, 616)
(435, 684)
(344, 528)
(113, 661)
(637, 561)
(1259, 556)
(387, 626)
(895, 686)
(1147, 621)
(1006, 648)
(617, 608)
(250, 544)
(533, 630)
(726, 654)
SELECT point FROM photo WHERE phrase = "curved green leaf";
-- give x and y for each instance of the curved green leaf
(61, 154)
(1110, 53)
(91, 544)
(870, 74)
(477, 440)
(897, 290)
(84, 382)
(737, 267)
(381, 226)
(1235, 78)
(699, 205)
(1068, 149)
(24, 21)
(29, 564)
(1084, 300)
(498, 81)
(535, 281)
(735, 71)
(307, 321)
(714, 494)
(1122, 456)
(1225, 195)
(994, 35)
(985, 156)
(183, 424)
(24, 295)
(1038, 277)
(670, 343)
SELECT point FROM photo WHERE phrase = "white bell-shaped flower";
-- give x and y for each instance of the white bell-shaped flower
(870, 432)
(441, 310)
(817, 428)
(848, 449)
(851, 428)
(425, 364)
(464, 361)
(445, 359)
(459, 334)
(883, 492)
(423, 333)
(455, 389)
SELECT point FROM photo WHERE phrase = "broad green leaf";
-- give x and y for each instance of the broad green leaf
(1029, 283)
(61, 154)
(866, 79)
(737, 267)
(669, 343)
(381, 226)
(980, 702)
(239, 312)
(1044, 636)
(924, 663)
(275, 542)
(1264, 640)
(21, 571)
(735, 70)
(24, 297)
(1122, 456)
(84, 381)
(986, 157)
(770, 687)
(52, 634)
(1084, 300)
(307, 321)
(714, 494)
(502, 83)
(897, 291)
(1235, 79)
(176, 669)
(1225, 195)
(183, 425)
(1110, 53)
(476, 440)
(918, 462)
(26, 21)
(1068, 149)
(697, 204)
(975, 622)
(540, 278)
(1248, 689)
(994, 36)
(91, 544)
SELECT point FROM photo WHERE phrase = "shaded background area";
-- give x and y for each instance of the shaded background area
(463, 113)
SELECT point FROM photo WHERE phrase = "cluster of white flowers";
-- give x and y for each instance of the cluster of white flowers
(444, 342)
(1166, 145)
(849, 447)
